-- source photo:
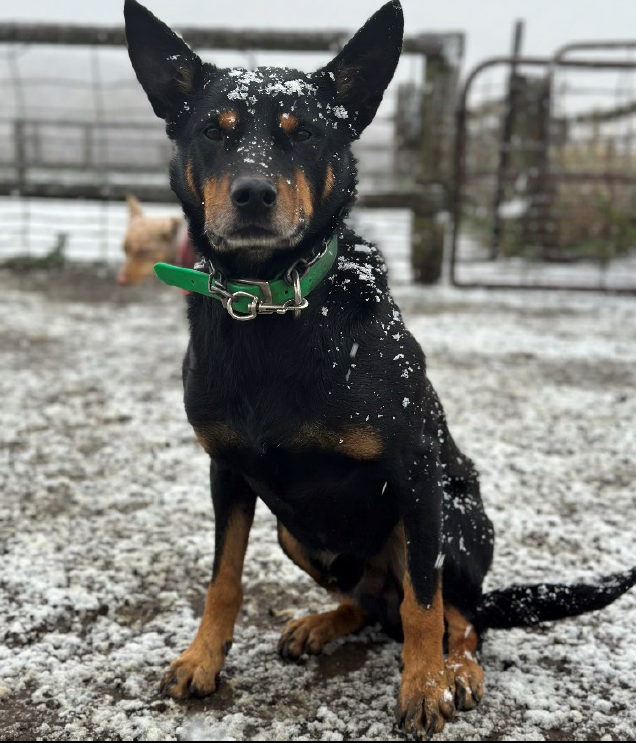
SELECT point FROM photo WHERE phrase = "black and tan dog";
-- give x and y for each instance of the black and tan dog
(325, 413)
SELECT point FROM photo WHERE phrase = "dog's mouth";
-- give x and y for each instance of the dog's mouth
(254, 237)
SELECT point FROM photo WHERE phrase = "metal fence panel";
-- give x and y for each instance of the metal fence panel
(546, 172)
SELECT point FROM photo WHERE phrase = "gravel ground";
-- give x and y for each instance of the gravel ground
(106, 525)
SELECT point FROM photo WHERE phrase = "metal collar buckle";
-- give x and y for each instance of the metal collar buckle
(258, 306)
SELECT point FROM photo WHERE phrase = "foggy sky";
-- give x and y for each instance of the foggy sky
(488, 23)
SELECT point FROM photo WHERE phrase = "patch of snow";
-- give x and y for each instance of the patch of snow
(107, 528)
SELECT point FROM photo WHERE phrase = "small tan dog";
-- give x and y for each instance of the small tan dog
(149, 240)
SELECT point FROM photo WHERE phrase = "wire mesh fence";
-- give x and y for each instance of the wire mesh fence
(77, 133)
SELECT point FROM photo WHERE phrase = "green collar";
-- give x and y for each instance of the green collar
(245, 299)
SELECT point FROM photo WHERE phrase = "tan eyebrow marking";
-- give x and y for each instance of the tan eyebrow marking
(288, 122)
(228, 120)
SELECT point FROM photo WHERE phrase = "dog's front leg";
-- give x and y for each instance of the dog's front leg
(426, 701)
(196, 670)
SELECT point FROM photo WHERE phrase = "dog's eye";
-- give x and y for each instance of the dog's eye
(301, 135)
(214, 133)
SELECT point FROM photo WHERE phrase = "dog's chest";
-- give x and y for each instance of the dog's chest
(327, 488)
(328, 502)
(263, 397)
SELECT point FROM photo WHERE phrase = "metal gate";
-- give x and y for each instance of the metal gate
(545, 172)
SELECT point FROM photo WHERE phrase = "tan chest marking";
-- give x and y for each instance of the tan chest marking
(361, 442)
(216, 434)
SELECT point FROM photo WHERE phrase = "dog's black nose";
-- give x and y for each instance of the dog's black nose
(255, 195)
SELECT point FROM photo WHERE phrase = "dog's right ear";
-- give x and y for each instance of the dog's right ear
(364, 68)
(164, 64)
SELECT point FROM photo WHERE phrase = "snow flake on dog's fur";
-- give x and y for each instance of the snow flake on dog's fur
(252, 84)
(290, 87)
(363, 272)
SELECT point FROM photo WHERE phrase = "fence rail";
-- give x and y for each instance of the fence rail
(448, 46)
(103, 143)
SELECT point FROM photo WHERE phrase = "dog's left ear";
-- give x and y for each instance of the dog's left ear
(364, 68)
(164, 64)
(134, 206)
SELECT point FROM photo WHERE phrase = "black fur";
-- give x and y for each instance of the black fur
(348, 364)
(523, 606)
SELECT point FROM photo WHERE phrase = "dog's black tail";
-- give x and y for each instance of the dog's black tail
(522, 606)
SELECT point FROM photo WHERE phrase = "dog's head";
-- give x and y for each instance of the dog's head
(148, 240)
(263, 159)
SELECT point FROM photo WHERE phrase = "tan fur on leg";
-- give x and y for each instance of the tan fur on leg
(462, 659)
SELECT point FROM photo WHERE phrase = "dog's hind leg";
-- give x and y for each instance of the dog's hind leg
(461, 662)
(311, 633)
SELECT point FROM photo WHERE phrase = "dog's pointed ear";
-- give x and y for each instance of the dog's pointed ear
(134, 206)
(365, 66)
(164, 64)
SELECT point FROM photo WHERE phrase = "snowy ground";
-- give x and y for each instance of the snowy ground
(106, 526)
(474, 267)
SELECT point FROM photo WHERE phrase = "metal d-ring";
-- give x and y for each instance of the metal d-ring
(253, 306)
(298, 295)
(305, 264)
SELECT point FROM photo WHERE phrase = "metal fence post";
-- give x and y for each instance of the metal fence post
(510, 114)
(428, 230)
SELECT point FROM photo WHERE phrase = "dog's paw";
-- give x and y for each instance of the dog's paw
(425, 704)
(468, 676)
(194, 673)
(306, 635)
